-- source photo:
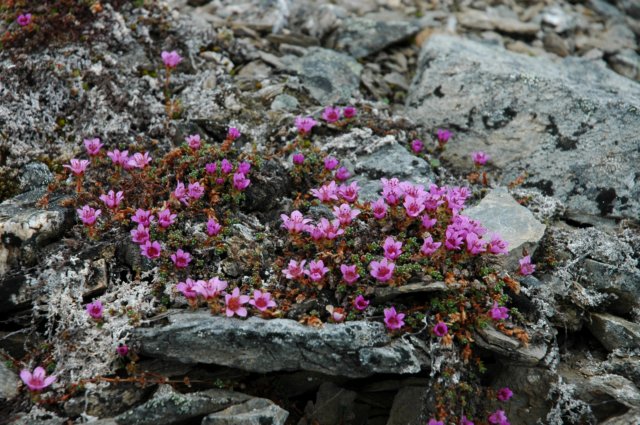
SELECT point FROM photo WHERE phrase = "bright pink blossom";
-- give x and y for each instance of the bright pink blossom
(305, 124)
(181, 259)
(244, 167)
(234, 302)
(188, 288)
(440, 329)
(140, 235)
(122, 350)
(429, 246)
(171, 59)
(417, 146)
(88, 215)
(413, 206)
(213, 227)
(349, 112)
(345, 214)
(165, 218)
(330, 229)
(526, 267)
(349, 273)
(504, 394)
(349, 192)
(95, 309)
(497, 245)
(498, 313)
(295, 223)
(111, 199)
(143, 217)
(77, 166)
(382, 270)
(360, 303)
(226, 166)
(465, 421)
(392, 248)
(294, 270)
(38, 380)
(453, 239)
(298, 158)
(139, 160)
(498, 418)
(151, 250)
(480, 158)
(93, 146)
(210, 289)
(233, 133)
(331, 114)
(194, 141)
(392, 319)
(330, 163)
(342, 174)
(327, 192)
(428, 222)
(316, 271)
(434, 422)
(180, 193)
(474, 244)
(379, 209)
(210, 167)
(262, 300)
(443, 136)
(240, 181)
(195, 190)
(24, 19)
(119, 158)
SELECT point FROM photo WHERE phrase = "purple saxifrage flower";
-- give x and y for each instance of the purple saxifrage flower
(171, 59)
(234, 303)
(262, 300)
(417, 146)
(24, 19)
(392, 319)
(305, 124)
(440, 329)
(480, 158)
(181, 259)
(526, 267)
(77, 166)
(38, 380)
(95, 309)
(88, 215)
(93, 146)
(382, 270)
(360, 303)
(331, 114)
(504, 394)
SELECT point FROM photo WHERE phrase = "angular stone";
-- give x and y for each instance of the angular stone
(9, 383)
(334, 405)
(495, 341)
(501, 214)
(353, 349)
(409, 407)
(385, 294)
(361, 37)
(256, 411)
(329, 76)
(614, 332)
(573, 126)
(623, 282)
(631, 417)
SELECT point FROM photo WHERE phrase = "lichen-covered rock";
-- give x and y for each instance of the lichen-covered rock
(571, 126)
(334, 405)
(256, 411)
(409, 406)
(353, 349)
(495, 341)
(9, 383)
(614, 332)
(361, 37)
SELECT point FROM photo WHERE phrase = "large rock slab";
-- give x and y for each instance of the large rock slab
(257, 411)
(361, 37)
(614, 332)
(572, 126)
(353, 349)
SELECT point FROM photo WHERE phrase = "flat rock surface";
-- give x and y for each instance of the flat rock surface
(614, 332)
(353, 349)
(571, 127)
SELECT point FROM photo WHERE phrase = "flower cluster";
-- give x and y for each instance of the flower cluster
(333, 114)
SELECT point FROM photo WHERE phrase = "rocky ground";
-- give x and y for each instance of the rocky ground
(548, 89)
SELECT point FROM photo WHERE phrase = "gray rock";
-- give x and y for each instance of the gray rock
(548, 119)
(361, 37)
(614, 332)
(9, 383)
(35, 175)
(168, 406)
(631, 417)
(334, 405)
(329, 76)
(623, 282)
(626, 62)
(385, 294)
(256, 411)
(501, 214)
(627, 366)
(630, 7)
(106, 402)
(495, 341)
(409, 407)
(284, 102)
(354, 349)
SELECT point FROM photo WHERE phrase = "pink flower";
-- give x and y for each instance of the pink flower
(456, 197)
(240, 182)
(349, 193)
(330, 229)
(392, 319)
(497, 246)
(226, 166)
(498, 418)
(330, 163)
(443, 136)
(379, 209)
(526, 267)
(498, 313)
(315, 232)
(151, 250)
(453, 239)
(331, 114)
(181, 259)
(77, 166)
(195, 190)
(465, 421)
(304, 125)
(211, 288)
(417, 146)
(165, 218)
(434, 422)
(428, 222)
(188, 288)
(429, 246)
(234, 302)
(122, 350)
(93, 146)
(382, 270)
(180, 193)
(171, 59)
(213, 227)
(95, 309)
(24, 20)
(337, 314)
(504, 394)
(392, 249)
(119, 158)
(244, 167)
(360, 303)
(316, 271)
(143, 217)
(88, 215)
(210, 167)
(295, 223)
(294, 270)
(111, 199)
(342, 174)
(194, 141)
(298, 158)
(480, 158)
(349, 273)
(345, 214)
(475, 245)
(38, 380)
(349, 112)
(139, 160)
(413, 206)
(233, 133)
(327, 192)
(262, 300)
(140, 235)
(440, 329)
